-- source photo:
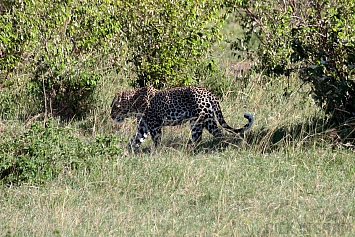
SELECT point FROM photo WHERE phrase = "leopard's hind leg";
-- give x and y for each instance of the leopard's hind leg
(211, 125)
(196, 130)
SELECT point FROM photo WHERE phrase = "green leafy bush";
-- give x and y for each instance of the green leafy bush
(65, 47)
(169, 41)
(314, 39)
(45, 151)
(327, 57)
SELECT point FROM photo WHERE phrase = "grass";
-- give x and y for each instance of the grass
(173, 193)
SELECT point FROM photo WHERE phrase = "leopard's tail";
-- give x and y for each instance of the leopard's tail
(222, 122)
(238, 130)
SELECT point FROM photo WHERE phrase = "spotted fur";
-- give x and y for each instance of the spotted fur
(157, 108)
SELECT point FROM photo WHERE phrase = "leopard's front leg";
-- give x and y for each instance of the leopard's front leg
(140, 136)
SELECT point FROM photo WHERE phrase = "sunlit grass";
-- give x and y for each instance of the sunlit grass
(172, 193)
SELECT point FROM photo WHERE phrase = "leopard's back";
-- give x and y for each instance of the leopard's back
(177, 105)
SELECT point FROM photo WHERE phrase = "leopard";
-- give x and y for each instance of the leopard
(155, 108)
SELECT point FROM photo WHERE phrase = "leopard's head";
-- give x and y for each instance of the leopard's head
(120, 107)
(131, 103)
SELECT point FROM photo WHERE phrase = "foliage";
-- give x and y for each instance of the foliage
(314, 39)
(47, 150)
(168, 41)
(64, 46)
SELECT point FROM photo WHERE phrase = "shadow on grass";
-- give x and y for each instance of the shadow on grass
(317, 132)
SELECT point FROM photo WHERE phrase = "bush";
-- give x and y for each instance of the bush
(47, 150)
(168, 42)
(315, 40)
(65, 47)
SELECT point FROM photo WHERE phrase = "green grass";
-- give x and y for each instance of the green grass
(172, 193)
